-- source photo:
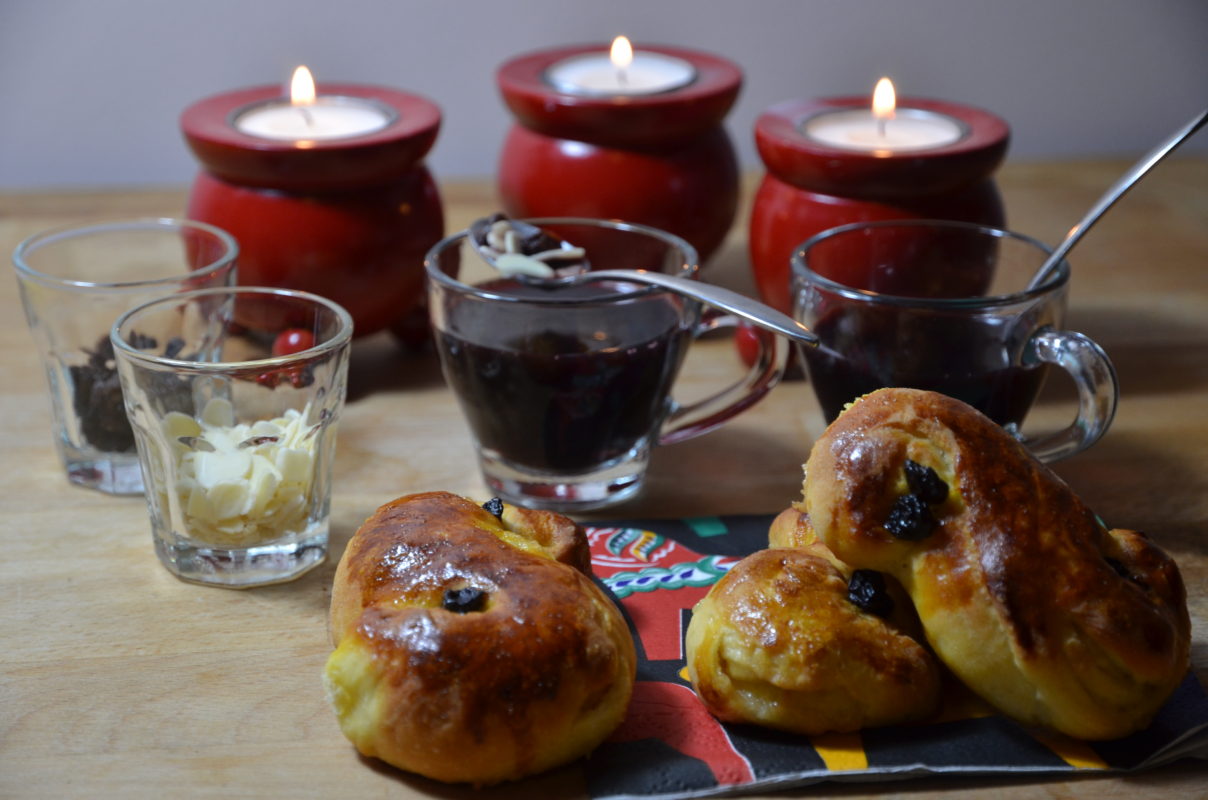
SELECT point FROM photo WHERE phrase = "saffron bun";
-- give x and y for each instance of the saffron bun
(779, 642)
(1023, 592)
(792, 528)
(471, 647)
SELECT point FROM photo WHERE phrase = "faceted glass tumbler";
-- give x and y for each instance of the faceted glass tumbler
(234, 396)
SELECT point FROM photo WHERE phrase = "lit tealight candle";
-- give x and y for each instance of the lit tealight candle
(620, 73)
(883, 129)
(307, 118)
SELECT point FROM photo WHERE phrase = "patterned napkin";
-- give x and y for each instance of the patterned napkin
(671, 747)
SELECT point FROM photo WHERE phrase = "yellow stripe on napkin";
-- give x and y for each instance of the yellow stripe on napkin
(841, 752)
(1076, 753)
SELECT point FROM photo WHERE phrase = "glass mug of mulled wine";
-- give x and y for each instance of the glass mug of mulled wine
(945, 306)
(567, 388)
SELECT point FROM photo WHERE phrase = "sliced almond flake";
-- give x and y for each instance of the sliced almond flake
(218, 413)
(516, 264)
(560, 254)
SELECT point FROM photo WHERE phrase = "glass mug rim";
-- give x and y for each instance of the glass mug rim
(32, 244)
(342, 335)
(690, 268)
(808, 277)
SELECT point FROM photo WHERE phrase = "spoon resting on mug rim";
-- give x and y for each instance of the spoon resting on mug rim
(562, 264)
(1114, 193)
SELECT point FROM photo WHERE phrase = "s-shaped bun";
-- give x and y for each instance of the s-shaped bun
(1024, 594)
(474, 647)
(790, 638)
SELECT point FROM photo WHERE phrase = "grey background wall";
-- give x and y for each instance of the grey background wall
(90, 90)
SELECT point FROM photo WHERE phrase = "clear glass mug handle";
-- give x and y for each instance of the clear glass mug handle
(702, 416)
(1098, 391)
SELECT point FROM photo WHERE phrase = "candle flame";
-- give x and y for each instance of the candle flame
(621, 52)
(302, 88)
(884, 101)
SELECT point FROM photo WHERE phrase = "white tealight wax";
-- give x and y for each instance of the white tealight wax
(596, 74)
(326, 118)
(910, 130)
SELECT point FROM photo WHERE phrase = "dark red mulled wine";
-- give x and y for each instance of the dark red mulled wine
(946, 307)
(563, 391)
(868, 347)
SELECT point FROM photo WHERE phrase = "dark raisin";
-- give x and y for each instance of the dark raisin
(173, 347)
(479, 228)
(141, 341)
(866, 591)
(926, 483)
(910, 518)
(101, 355)
(531, 238)
(464, 600)
(97, 400)
(495, 506)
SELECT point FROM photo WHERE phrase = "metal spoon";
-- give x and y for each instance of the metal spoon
(753, 311)
(534, 271)
(1117, 190)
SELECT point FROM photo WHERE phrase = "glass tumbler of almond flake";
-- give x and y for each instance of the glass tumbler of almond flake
(234, 395)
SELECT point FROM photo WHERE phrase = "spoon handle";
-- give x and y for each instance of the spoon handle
(1113, 194)
(753, 311)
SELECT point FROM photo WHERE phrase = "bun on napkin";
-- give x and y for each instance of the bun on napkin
(1024, 594)
(790, 638)
(472, 646)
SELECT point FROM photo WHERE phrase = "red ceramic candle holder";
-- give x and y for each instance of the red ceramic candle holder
(660, 159)
(348, 218)
(811, 186)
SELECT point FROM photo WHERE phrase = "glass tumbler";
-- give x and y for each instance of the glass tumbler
(74, 283)
(234, 395)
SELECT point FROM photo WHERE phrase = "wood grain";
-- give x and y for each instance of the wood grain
(117, 680)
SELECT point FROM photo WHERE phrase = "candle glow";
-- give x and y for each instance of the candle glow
(884, 100)
(302, 87)
(308, 118)
(621, 72)
(621, 52)
(868, 130)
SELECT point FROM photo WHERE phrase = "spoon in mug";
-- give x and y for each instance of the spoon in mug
(740, 305)
(551, 262)
(1114, 193)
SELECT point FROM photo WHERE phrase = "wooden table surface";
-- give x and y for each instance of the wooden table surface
(117, 680)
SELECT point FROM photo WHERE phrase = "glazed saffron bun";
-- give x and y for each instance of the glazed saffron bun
(779, 642)
(792, 528)
(472, 647)
(1024, 594)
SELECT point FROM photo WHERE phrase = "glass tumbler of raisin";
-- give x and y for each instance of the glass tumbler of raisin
(235, 421)
(74, 283)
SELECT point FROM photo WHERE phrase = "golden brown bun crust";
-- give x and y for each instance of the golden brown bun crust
(538, 676)
(1023, 593)
(792, 528)
(776, 642)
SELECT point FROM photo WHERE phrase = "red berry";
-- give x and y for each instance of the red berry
(293, 340)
